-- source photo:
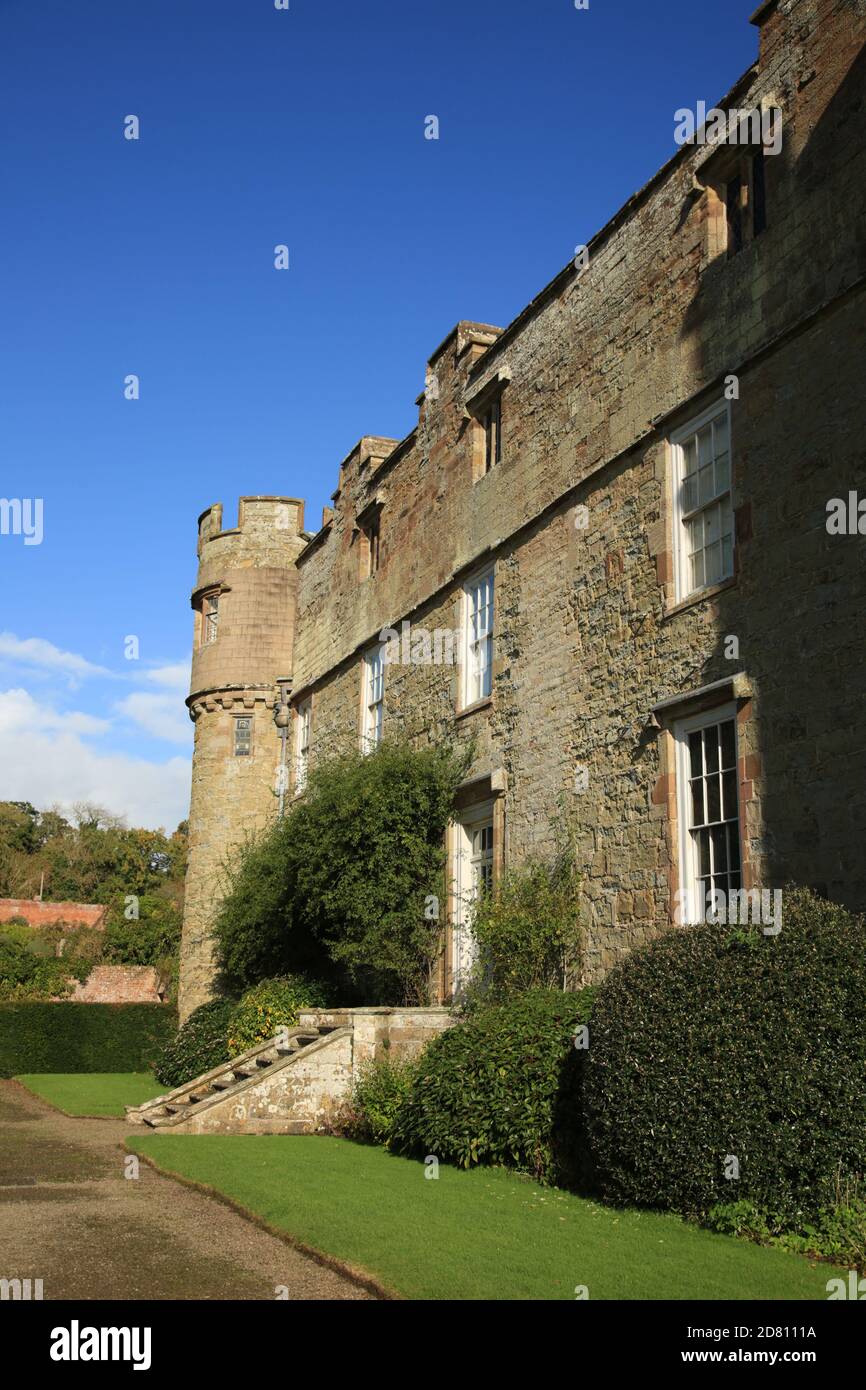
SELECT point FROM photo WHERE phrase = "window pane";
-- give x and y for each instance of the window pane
(713, 563)
(695, 753)
(698, 802)
(730, 795)
(711, 744)
(734, 847)
(705, 445)
(720, 849)
(703, 842)
(706, 488)
(698, 570)
(486, 671)
(714, 799)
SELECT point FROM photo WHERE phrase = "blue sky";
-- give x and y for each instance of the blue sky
(259, 127)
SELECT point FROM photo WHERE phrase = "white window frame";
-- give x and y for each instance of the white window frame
(470, 862)
(374, 698)
(477, 679)
(688, 878)
(682, 575)
(303, 725)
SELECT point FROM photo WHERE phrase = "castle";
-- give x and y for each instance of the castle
(617, 506)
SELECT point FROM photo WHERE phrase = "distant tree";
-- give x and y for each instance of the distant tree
(19, 826)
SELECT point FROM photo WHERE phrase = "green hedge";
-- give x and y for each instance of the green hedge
(82, 1037)
(718, 1050)
(502, 1087)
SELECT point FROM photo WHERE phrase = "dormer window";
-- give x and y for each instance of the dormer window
(485, 412)
(745, 202)
(491, 423)
(369, 527)
(734, 176)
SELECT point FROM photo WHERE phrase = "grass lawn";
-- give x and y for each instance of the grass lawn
(485, 1233)
(93, 1093)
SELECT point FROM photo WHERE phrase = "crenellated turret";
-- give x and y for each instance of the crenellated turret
(244, 606)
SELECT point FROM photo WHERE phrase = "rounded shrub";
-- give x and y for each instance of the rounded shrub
(377, 1098)
(725, 1065)
(269, 1006)
(199, 1046)
(491, 1088)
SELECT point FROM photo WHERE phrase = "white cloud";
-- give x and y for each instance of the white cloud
(162, 716)
(45, 760)
(20, 713)
(175, 676)
(35, 651)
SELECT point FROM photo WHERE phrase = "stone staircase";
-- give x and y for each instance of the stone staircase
(287, 1085)
(294, 1083)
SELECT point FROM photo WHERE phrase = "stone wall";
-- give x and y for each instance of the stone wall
(120, 984)
(397, 1032)
(596, 375)
(46, 914)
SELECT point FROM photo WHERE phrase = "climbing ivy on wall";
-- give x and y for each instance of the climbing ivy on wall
(346, 886)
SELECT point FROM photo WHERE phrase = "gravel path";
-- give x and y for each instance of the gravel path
(68, 1216)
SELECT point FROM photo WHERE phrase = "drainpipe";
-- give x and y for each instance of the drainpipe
(282, 719)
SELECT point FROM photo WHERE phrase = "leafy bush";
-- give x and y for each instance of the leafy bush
(37, 1037)
(836, 1233)
(528, 931)
(200, 1045)
(378, 1094)
(26, 975)
(150, 939)
(340, 883)
(269, 1006)
(16, 934)
(715, 1046)
(500, 1087)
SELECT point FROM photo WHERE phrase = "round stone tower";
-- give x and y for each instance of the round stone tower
(244, 604)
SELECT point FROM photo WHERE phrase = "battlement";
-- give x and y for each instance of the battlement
(370, 449)
(257, 517)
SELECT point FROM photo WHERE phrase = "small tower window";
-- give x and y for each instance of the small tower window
(243, 736)
(210, 618)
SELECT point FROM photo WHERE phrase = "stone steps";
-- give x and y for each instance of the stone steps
(296, 1082)
(220, 1100)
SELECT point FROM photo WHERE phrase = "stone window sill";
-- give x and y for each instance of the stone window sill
(475, 708)
(699, 597)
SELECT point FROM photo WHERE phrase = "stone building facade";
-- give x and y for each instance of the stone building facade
(616, 514)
